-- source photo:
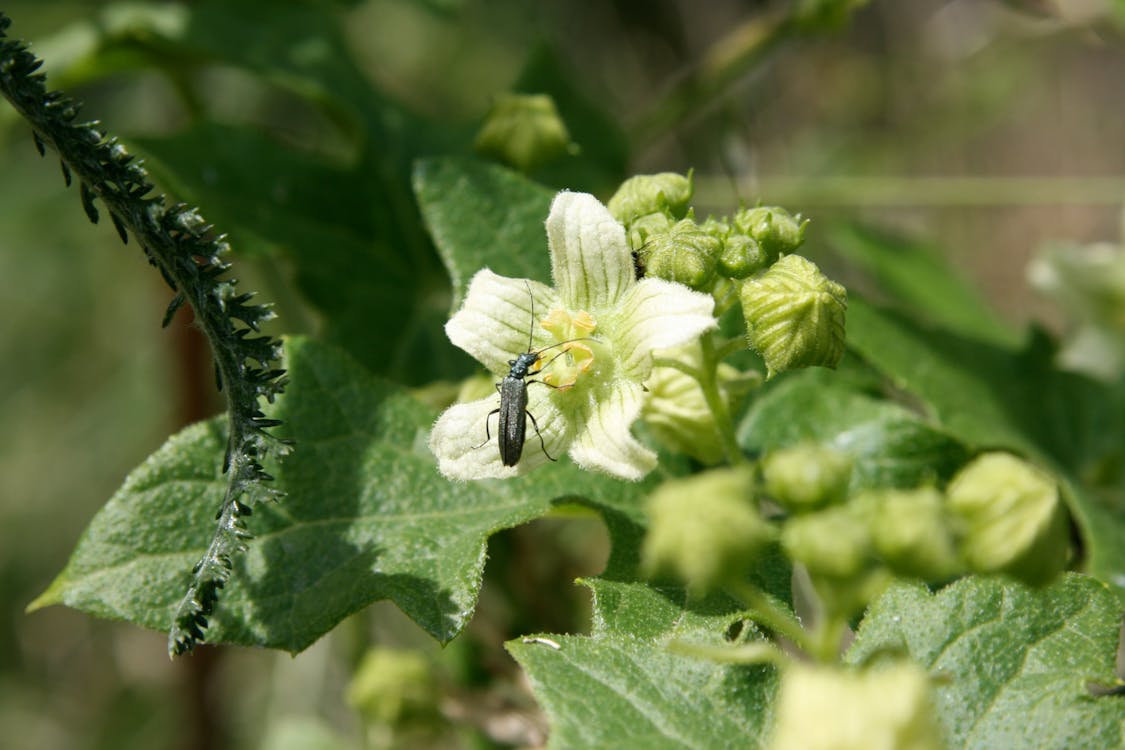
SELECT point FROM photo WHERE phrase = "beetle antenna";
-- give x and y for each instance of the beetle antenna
(530, 328)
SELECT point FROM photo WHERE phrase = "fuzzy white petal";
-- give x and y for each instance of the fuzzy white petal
(495, 322)
(590, 259)
(604, 442)
(658, 314)
(465, 450)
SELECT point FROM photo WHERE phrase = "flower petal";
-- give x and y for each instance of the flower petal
(657, 314)
(467, 449)
(590, 260)
(605, 444)
(496, 323)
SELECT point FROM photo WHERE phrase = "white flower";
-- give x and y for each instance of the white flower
(596, 331)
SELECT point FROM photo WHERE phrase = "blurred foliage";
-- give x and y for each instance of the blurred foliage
(248, 108)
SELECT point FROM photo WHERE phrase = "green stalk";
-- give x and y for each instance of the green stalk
(709, 383)
(766, 611)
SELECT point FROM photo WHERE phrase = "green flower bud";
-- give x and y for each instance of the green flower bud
(523, 130)
(666, 192)
(828, 708)
(835, 542)
(795, 316)
(776, 230)
(912, 533)
(705, 529)
(684, 254)
(807, 476)
(741, 256)
(677, 411)
(1011, 518)
(646, 227)
(719, 228)
(393, 687)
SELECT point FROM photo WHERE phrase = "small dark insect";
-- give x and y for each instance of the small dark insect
(512, 423)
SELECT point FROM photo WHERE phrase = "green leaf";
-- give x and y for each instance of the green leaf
(484, 216)
(919, 279)
(990, 397)
(365, 517)
(890, 446)
(622, 687)
(1013, 666)
(270, 196)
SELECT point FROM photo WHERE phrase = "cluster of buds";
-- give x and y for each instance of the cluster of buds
(999, 514)
(794, 314)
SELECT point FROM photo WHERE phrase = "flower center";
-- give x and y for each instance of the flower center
(572, 356)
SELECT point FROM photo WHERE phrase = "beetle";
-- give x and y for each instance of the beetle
(512, 423)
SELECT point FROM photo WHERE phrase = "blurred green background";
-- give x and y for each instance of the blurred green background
(983, 128)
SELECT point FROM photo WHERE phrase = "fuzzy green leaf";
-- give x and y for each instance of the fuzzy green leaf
(1013, 666)
(622, 687)
(483, 216)
(365, 517)
(890, 446)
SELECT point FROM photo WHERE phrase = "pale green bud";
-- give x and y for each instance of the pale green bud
(684, 254)
(912, 533)
(741, 256)
(705, 529)
(834, 542)
(1011, 518)
(795, 316)
(666, 192)
(807, 476)
(776, 230)
(646, 227)
(393, 687)
(523, 130)
(828, 708)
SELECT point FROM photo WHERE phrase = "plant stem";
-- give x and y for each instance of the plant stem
(780, 620)
(724, 62)
(709, 384)
(676, 364)
(755, 652)
(824, 644)
(728, 348)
